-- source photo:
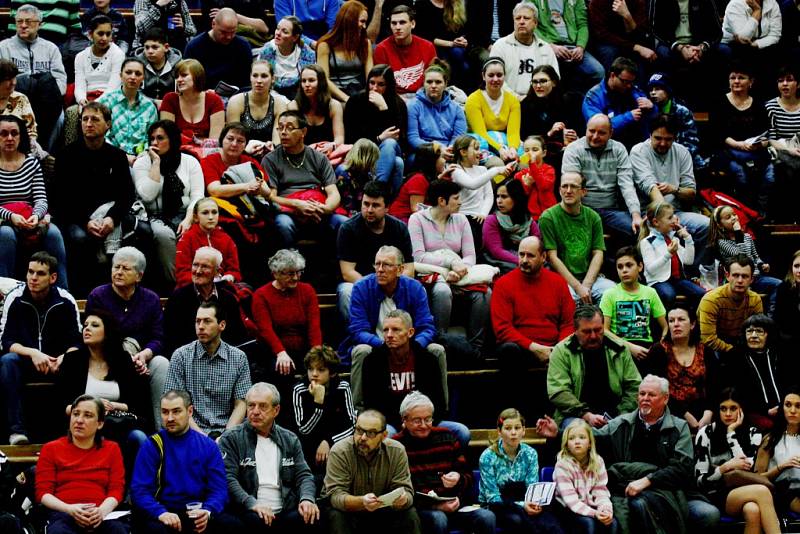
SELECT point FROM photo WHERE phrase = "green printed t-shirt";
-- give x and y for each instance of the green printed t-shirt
(573, 237)
(631, 312)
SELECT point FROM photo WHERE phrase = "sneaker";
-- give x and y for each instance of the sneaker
(18, 439)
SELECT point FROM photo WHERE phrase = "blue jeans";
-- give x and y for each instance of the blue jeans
(697, 225)
(459, 430)
(582, 524)
(607, 53)
(390, 164)
(481, 521)
(703, 516)
(14, 372)
(52, 243)
(287, 226)
(600, 286)
(62, 523)
(753, 173)
(667, 291)
(514, 520)
(584, 74)
(766, 285)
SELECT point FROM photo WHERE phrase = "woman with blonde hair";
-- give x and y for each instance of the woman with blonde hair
(199, 113)
(358, 168)
(345, 52)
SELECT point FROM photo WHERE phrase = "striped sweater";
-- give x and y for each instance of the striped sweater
(581, 491)
(742, 243)
(332, 421)
(782, 124)
(26, 184)
(721, 317)
(427, 239)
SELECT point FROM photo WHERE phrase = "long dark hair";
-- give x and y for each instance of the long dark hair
(553, 75)
(779, 424)
(718, 437)
(519, 213)
(393, 101)
(323, 93)
(24, 145)
(116, 358)
(694, 333)
(425, 159)
(170, 160)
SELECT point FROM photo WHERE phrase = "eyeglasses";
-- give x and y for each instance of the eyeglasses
(9, 133)
(371, 434)
(417, 421)
(540, 81)
(29, 22)
(384, 265)
(288, 128)
(755, 330)
(291, 274)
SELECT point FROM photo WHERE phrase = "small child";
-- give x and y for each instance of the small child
(358, 169)
(539, 178)
(159, 64)
(477, 194)
(581, 482)
(97, 68)
(323, 407)
(629, 306)
(120, 31)
(206, 232)
(665, 257)
(726, 237)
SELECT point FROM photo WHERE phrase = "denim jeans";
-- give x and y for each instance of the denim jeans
(600, 286)
(344, 292)
(753, 173)
(14, 372)
(62, 523)
(667, 291)
(52, 243)
(390, 165)
(287, 226)
(480, 521)
(766, 285)
(697, 225)
(582, 524)
(584, 74)
(512, 518)
(618, 221)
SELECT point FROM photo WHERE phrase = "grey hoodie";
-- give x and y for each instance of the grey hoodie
(40, 55)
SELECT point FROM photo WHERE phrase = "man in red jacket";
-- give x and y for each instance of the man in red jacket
(531, 311)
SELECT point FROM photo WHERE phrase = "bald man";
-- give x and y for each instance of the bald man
(604, 164)
(225, 56)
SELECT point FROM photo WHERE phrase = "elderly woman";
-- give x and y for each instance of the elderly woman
(15, 103)
(286, 313)
(80, 478)
(760, 371)
(289, 54)
(23, 202)
(169, 182)
(137, 311)
(438, 229)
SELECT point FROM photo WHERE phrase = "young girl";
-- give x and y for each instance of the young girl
(358, 169)
(581, 478)
(429, 165)
(205, 232)
(507, 468)
(539, 178)
(664, 256)
(726, 237)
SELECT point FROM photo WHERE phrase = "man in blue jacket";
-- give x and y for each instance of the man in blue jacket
(270, 485)
(625, 104)
(40, 323)
(178, 480)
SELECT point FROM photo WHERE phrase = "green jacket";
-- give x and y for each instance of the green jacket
(565, 375)
(574, 18)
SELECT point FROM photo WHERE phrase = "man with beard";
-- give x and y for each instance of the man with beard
(364, 469)
(362, 235)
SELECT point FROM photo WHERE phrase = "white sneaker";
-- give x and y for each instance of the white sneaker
(18, 439)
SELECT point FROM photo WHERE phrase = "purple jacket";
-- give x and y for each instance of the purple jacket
(141, 317)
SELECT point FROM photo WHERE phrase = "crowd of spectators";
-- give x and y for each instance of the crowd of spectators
(474, 177)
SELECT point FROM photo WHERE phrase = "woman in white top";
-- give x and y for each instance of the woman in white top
(752, 29)
(779, 455)
(169, 183)
(97, 68)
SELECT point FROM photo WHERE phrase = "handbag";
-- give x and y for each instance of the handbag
(118, 424)
(739, 477)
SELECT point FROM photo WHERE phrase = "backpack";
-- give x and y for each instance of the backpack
(747, 216)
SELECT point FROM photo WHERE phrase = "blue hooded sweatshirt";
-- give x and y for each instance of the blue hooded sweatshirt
(310, 11)
(441, 122)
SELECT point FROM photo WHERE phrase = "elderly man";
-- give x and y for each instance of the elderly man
(572, 235)
(527, 329)
(106, 194)
(162, 486)
(362, 235)
(216, 374)
(368, 482)
(604, 164)
(182, 304)
(625, 104)
(139, 316)
(522, 51)
(723, 311)
(652, 449)
(294, 169)
(591, 352)
(662, 163)
(437, 464)
(225, 56)
(270, 486)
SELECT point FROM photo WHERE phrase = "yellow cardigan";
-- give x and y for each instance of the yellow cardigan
(480, 118)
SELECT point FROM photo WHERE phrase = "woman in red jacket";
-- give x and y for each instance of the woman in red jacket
(206, 232)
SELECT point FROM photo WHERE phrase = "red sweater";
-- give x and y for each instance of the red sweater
(287, 320)
(407, 62)
(195, 238)
(526, 310)
(77, 475)
(213, 167)
(541, 194)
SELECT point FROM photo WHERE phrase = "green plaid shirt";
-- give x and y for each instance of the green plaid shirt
(129, 123)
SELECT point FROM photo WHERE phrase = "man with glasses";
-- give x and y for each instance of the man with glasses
(302, 181)
(438, 464)
(723, 311)
(54, 24)
(625, 104)
(362, 235)
(573, 238)
(362, 471)
(30, 52)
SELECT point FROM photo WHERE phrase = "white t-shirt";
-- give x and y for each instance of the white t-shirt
(286, 66)
(103, 389)
(387, 305)
(268, 469)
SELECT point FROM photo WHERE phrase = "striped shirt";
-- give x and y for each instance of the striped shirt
(721, 317)
(59, 18)
(581, 491)
(26, 184)
(426, 238)
(742, 244)
(782, 124)
(429, 457)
